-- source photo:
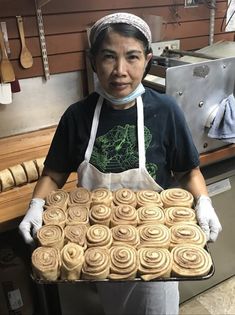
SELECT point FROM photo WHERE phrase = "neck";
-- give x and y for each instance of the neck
(121, 107)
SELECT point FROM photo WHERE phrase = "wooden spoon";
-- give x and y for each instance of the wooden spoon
(26, 58)
(7, 72)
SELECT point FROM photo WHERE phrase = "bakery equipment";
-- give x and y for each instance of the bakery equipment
(199, 82)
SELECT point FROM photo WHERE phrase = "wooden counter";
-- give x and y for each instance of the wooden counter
(16, 149)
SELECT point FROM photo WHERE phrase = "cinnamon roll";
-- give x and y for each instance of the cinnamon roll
(124, 214)
(182, 233)
(72, 257)
(150, 214)
(154, 263)
(190, 261)
(6, 180)
(76, 234)
(51, 235)
(176, 197)
(123, 263)
(154, 235)
(54, 215)
(96, 264)
(102, 196)
(39, 163)
(175, 215)
(99, 235)
(125, 234)
(30, 170)
(100, 214)
(80, 196)
(18, 174)
(77, 214)
(148, 197)
(124, 196)
(46, 263)
(58, 197)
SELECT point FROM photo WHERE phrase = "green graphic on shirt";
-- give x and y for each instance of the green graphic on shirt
(117, 150)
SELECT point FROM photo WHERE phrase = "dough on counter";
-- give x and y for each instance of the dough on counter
(30, 170)
(6, 180)
(39, 165)
(18, 174)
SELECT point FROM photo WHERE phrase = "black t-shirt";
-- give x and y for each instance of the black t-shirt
(168, 142)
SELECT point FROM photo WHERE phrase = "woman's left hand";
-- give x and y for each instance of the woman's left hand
(207, 218)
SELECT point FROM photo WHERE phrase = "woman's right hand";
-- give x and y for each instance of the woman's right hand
(32, 221)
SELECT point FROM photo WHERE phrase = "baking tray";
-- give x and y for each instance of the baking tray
(193, 278)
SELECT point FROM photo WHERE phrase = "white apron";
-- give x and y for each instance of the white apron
(128, 297)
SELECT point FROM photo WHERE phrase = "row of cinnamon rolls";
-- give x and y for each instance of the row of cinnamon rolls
(120, 262)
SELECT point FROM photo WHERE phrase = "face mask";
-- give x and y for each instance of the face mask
(119, 101)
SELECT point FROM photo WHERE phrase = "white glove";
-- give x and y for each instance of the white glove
(32, 220)
(207, 218)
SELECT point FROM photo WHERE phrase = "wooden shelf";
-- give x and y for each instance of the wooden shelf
(217, 155)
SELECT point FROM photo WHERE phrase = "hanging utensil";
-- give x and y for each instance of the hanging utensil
(6, 69)
(26, 58)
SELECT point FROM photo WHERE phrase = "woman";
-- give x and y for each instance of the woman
(124, 135)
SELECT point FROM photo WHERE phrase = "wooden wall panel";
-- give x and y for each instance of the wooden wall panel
(65, 24)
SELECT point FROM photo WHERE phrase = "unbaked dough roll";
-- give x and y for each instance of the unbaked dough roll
(30, 170)
(72, 258)
(125, 234)
(123, 263)
(54, 215)
(77, 214)
(100, 214)
(190, 261)
(76, 234)
(80, 196)
(124, 214)
(46, 263)
(150, 214)
(101, 196)
(154, 235)
(59, 198)
(96, 264)
(174, 197)
(6, 180)
(99, 235)
(182, 233)
(175, 215)
(154, 263)
(39, 165)
(124, 196)
(18, 174)
(51, 235)
(148, 197)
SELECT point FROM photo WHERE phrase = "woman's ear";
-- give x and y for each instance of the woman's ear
(93, 64)
(92, 61)
(148, 58)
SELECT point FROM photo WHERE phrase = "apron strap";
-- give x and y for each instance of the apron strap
(140, 127)
(94, 127)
